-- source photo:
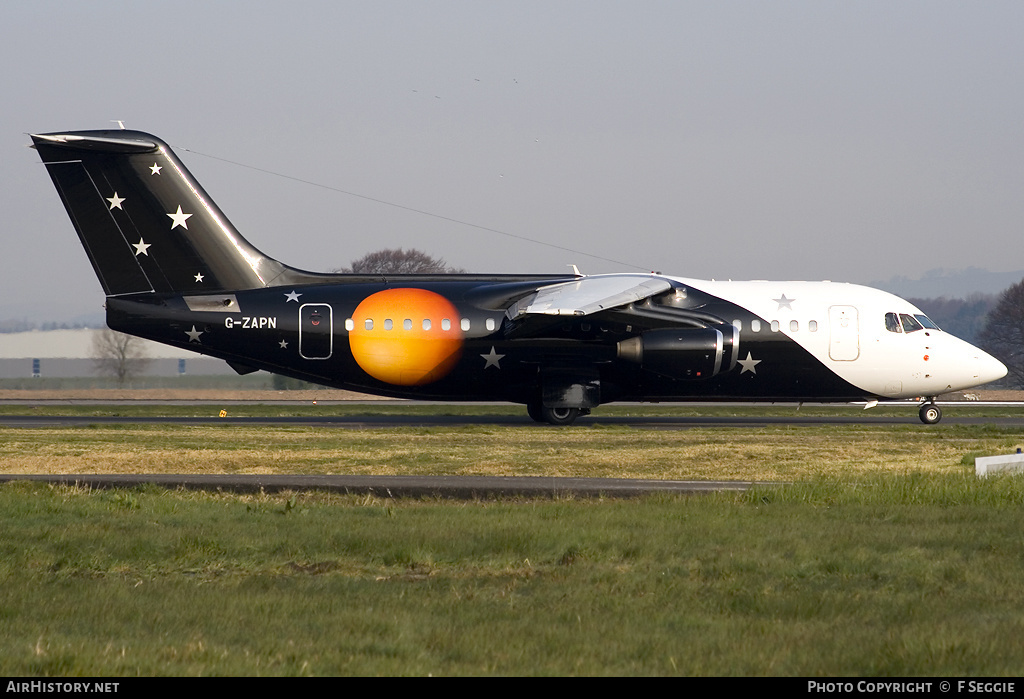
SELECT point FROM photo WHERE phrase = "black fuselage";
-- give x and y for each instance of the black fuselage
(497, 358)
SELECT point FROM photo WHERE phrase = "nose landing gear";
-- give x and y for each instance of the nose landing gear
(929, 412)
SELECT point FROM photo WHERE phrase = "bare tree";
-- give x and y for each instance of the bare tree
(1003, 334)
(118, 355)
(399, 261)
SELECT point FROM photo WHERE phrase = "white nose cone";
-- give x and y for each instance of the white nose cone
(965, 365)
(989, 368)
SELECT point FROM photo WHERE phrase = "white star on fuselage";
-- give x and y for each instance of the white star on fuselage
(179, 219)
(748, 364)
(294, 296)
(193, 334)
(199, 276)
(142, 247)
(492, 358)
(115, 202)
(283, 344)
(784, 303)
(155, 169)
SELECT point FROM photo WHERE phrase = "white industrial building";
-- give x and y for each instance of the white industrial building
(69, 353)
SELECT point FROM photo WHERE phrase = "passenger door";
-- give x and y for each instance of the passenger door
(316, 336)
(844, 333)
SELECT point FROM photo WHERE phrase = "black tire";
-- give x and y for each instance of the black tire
(536, 411)
(560, 416)
(930, 413)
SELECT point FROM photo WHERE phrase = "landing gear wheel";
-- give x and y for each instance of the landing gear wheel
(930, 413)
(560, 416)
(536, 411)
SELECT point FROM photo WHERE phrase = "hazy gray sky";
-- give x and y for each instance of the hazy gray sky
(811, 140)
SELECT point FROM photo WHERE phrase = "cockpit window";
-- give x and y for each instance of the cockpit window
(926, 321)
(910, 324)
(892, 323)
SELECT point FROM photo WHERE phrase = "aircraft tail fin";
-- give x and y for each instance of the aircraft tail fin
(144, 221)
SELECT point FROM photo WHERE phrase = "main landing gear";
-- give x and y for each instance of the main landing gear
(929, 412)
(554, 416)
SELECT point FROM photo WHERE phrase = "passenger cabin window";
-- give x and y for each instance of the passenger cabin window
(892, 323)
(465, 324)
(812, 325)
(490, 324)
(755, 325)
(794, 326)
(775, 326)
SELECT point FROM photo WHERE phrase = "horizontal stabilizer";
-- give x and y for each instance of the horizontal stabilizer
(91, 141)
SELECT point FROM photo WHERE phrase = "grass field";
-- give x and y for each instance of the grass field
(884, 556)
(482, 448)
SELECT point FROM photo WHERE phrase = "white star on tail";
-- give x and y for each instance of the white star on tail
(155, 169)
(142, 247)
(115, 202)
(492, 358)
(199, 277)
(748, 364)
(179, 219)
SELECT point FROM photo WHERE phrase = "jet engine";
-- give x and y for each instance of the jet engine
(684, 353)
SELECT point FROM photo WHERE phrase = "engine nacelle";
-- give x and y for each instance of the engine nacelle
(684, 353)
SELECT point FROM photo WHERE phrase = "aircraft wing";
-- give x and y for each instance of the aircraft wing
(588, 295)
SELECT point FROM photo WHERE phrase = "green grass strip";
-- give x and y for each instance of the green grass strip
(917, 574)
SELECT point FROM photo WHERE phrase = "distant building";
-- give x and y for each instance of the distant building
(68, 353)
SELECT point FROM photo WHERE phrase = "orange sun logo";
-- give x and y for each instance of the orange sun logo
(406, 337)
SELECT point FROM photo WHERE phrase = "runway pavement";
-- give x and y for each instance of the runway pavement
(383, 421)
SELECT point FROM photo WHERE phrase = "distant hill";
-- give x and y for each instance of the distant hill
(950, 283)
